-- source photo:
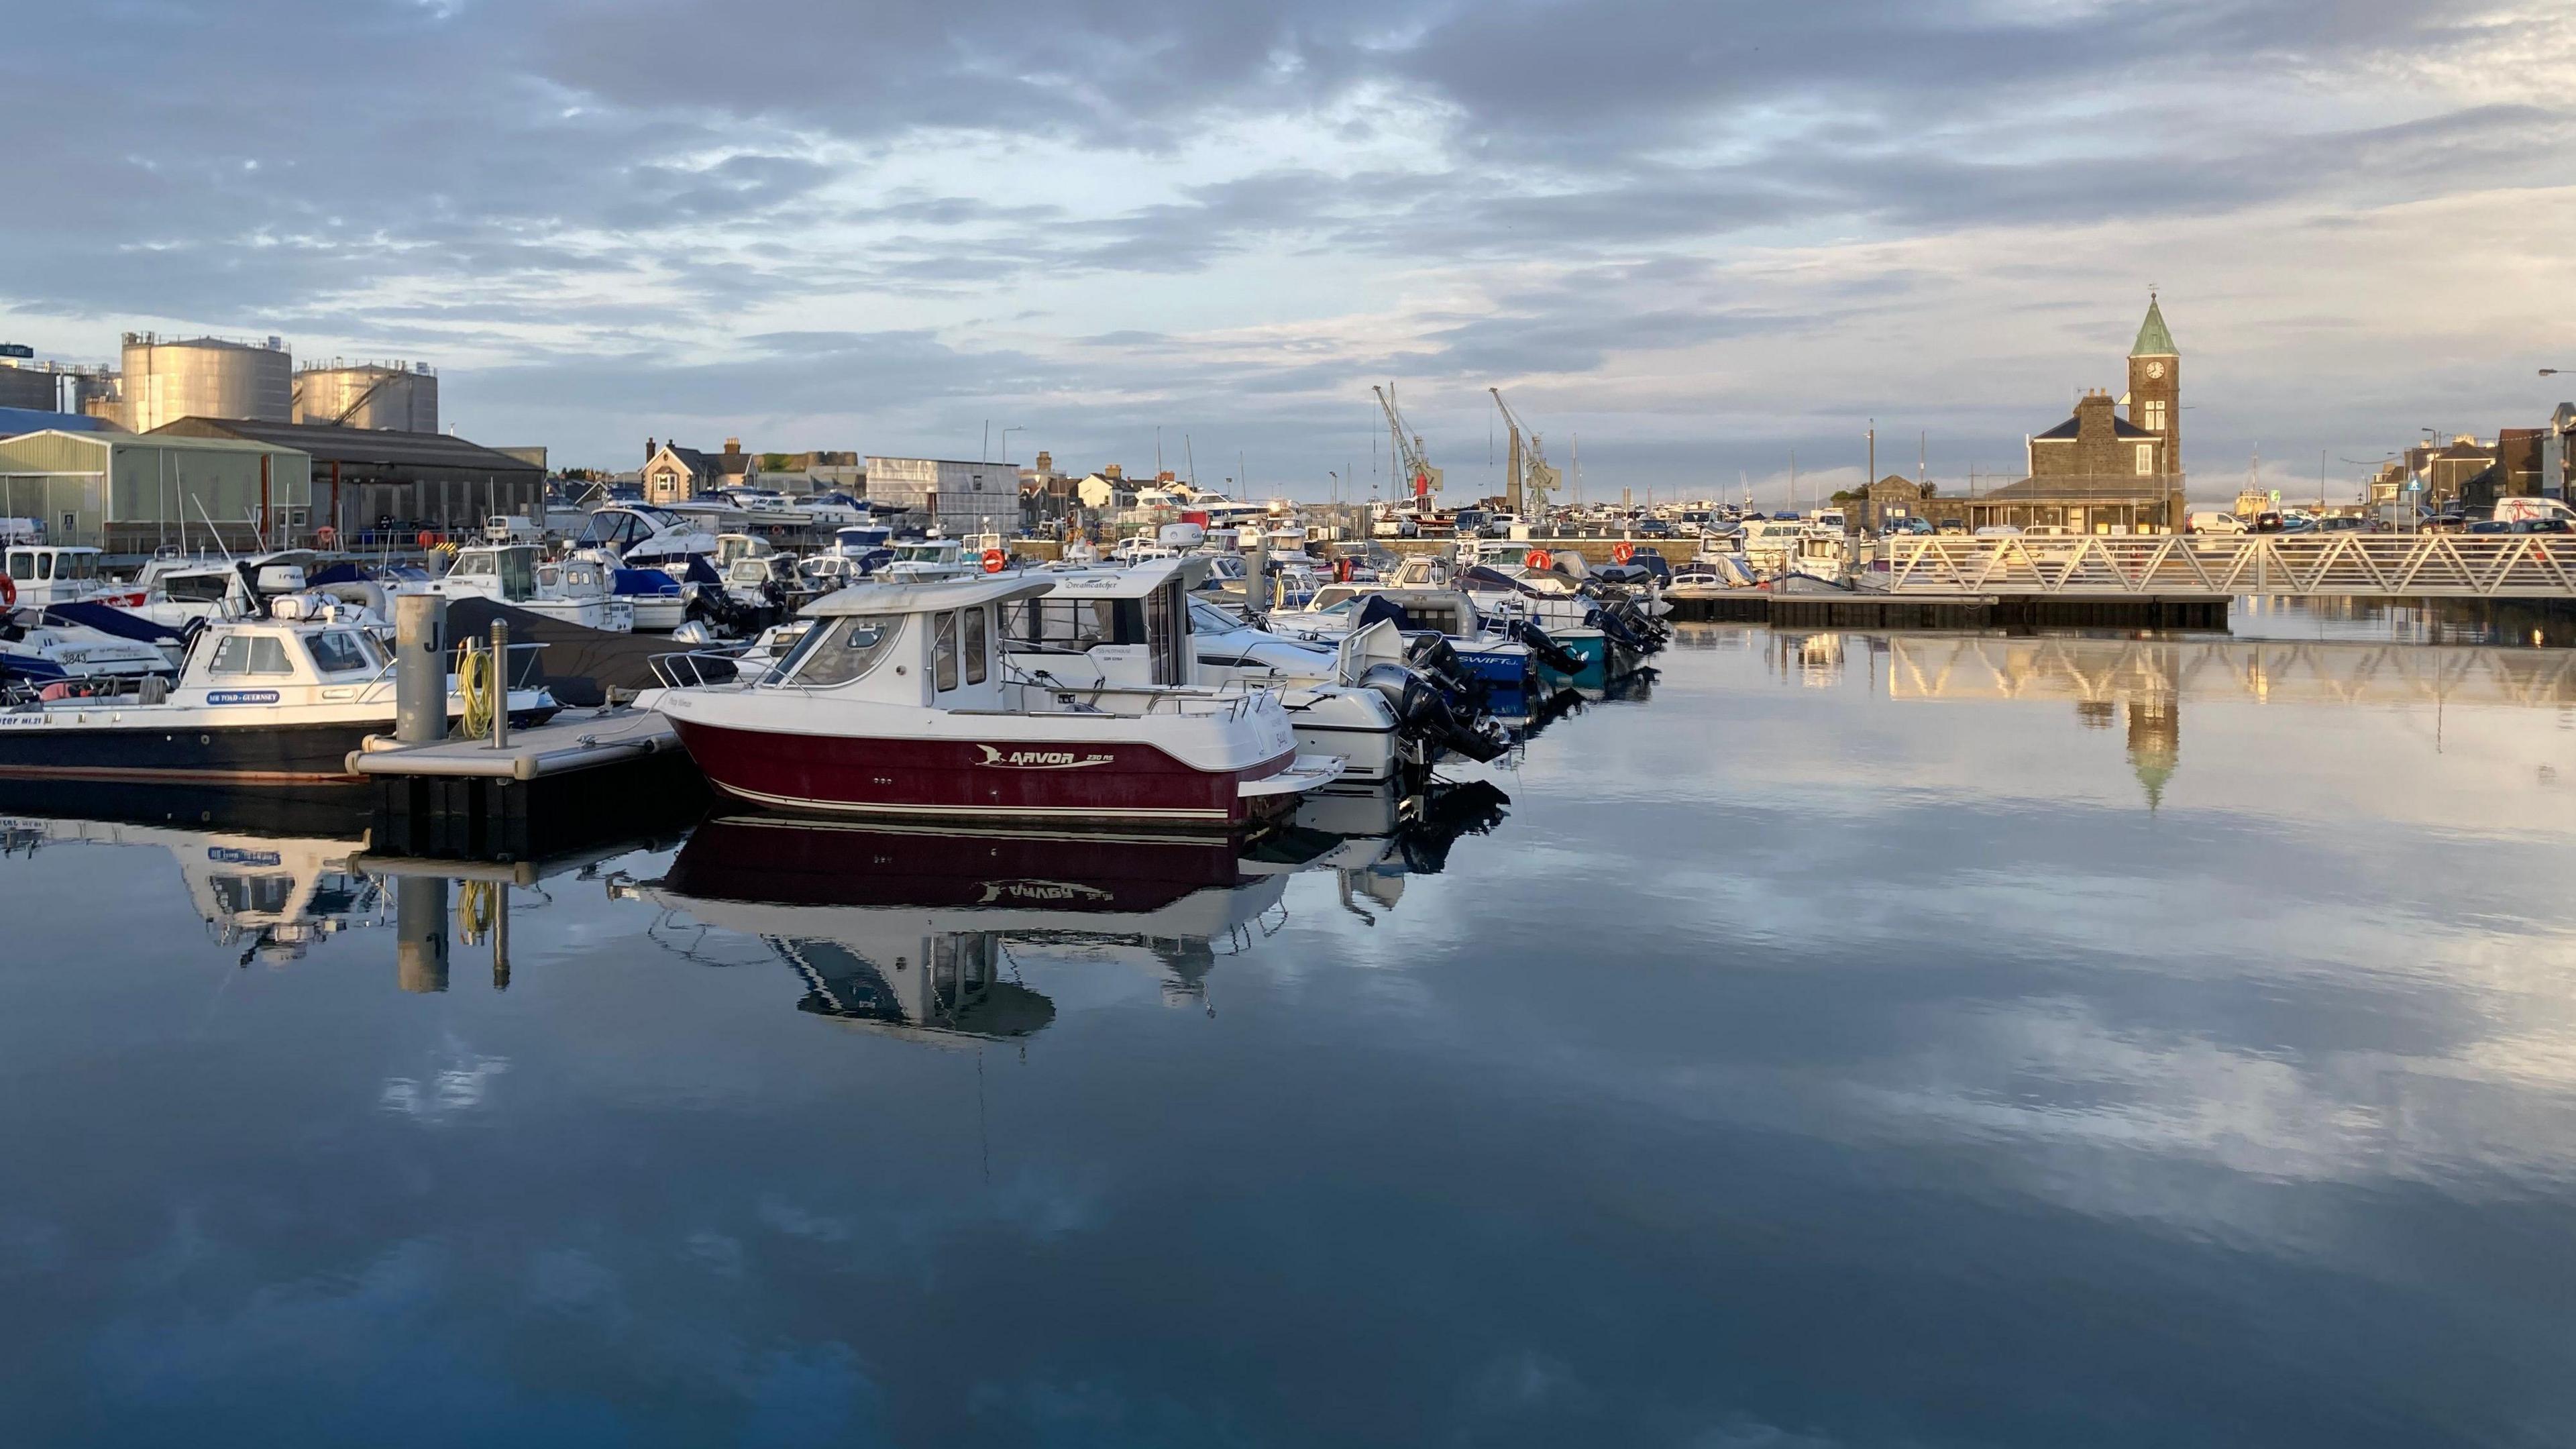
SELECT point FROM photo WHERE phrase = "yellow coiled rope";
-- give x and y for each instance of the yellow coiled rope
(474, 680)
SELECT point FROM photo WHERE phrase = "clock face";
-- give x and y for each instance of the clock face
(2155, 369)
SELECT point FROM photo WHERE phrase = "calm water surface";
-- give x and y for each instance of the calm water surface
(1916, 1040)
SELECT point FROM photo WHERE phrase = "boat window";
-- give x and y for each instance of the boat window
(81, 566)
(250, 654)
(339, 652)
(475, 566)
(518, 574)
(1060, 623)
(45, 565)
(197, 588)
(943, 652)
(842, 651)
(1206, 618)
(1162, 637)
(975, 646)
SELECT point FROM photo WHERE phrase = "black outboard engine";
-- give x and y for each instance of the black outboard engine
(1422, 711)
(1433, 657)
(1546, 650)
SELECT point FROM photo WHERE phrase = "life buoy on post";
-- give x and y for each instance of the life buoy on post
(1622, 551)
(995, 560)
(1537, 559)
(326, 536)
(428, 540)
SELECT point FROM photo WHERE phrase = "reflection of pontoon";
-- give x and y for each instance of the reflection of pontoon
(914, 932)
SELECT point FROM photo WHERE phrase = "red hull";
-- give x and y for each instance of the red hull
(778, 861)
(1019, 779)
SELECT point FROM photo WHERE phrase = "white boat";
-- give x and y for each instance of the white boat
(42, 648)
(39, 574)
(646, 537)
(575, 590)
(924, 560)
(901, 703)
(261, 701)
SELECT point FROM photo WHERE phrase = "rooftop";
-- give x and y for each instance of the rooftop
(380, 447)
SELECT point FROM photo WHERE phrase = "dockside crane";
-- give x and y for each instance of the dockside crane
(1420, 479)
(1528, 479)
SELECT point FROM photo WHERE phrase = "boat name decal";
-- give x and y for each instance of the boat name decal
(1041, 890)
(1041, 759)
(227, 855)
(242, 696)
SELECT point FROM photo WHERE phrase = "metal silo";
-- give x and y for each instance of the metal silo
(26, 385)
(205, 377)
(396, 395)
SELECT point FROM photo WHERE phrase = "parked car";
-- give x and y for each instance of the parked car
(2543, 525)
(2485, 525)
(1951, 526)
(2344, 523)
(2266, 523)
(2214, 523)
(1656, 528)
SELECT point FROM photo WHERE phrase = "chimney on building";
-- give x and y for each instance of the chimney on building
(1046, 463)
(1114, 470)
(650, 447)
(733, 446)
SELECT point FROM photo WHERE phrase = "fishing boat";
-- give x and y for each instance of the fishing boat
(280, 700)
(901, 702)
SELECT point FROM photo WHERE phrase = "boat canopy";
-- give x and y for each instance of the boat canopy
(927, 598)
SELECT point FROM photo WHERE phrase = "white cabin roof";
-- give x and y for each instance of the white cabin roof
(927, 598)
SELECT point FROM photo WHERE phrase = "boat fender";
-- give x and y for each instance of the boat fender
(8, 592)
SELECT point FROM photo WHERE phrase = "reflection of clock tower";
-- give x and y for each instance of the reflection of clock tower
(2155, 385)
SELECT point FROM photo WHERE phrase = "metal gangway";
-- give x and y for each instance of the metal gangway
(2296, 565)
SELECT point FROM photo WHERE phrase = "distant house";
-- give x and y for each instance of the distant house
(1889, 499)
(2558, 453)
(673, 474)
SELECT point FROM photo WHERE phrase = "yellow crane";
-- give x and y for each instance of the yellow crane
(1527, 480)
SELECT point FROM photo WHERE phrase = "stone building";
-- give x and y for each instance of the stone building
(2100, 472)
(673, 474)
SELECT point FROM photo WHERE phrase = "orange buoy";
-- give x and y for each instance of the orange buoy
(995, 560)
(1537, 558)
(1622, 551)
(428, 540)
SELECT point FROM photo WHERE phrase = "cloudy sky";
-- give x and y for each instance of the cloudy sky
(1691, 234)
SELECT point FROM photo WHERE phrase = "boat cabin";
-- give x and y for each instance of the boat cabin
(503, 572)
(50, 574)
(926, 645)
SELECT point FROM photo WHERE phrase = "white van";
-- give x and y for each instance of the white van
(511, 528)
(2521, 510)
(2217, 523)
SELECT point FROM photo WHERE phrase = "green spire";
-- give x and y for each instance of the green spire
(2153, 339)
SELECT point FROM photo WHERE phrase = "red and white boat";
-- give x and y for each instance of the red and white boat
(900, 702)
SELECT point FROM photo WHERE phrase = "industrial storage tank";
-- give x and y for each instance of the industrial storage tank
(205, 377)
(26, 385)
(396, 395)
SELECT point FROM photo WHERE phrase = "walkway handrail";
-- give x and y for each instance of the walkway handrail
(2302, 565)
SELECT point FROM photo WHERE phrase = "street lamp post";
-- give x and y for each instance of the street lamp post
(1006, 441)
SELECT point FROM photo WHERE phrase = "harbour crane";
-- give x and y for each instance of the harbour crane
(1529, 479)
(1420, 478)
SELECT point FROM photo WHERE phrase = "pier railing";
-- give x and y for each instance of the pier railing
(2426, 565)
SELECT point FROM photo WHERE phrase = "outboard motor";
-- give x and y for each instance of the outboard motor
(1422, 710)
(1432, 655)
(1546, 650)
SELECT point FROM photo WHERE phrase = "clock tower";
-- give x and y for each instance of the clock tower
(2155, 385)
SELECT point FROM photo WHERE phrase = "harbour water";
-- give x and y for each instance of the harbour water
(1854, 1040)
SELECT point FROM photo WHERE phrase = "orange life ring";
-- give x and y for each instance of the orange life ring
(1538, 559)
(326, 535)
(1622, 551)
(428, 540)
(995, 560)
(8, 592)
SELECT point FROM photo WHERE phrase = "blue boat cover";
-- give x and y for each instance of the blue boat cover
(109, 619)
(643, 582)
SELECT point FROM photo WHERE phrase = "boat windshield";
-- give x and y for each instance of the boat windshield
(342, 651)
(841, 651)
(1207, 618)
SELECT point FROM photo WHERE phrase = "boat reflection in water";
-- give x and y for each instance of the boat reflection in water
(272, 872)
(913, 932)
(930, 935)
